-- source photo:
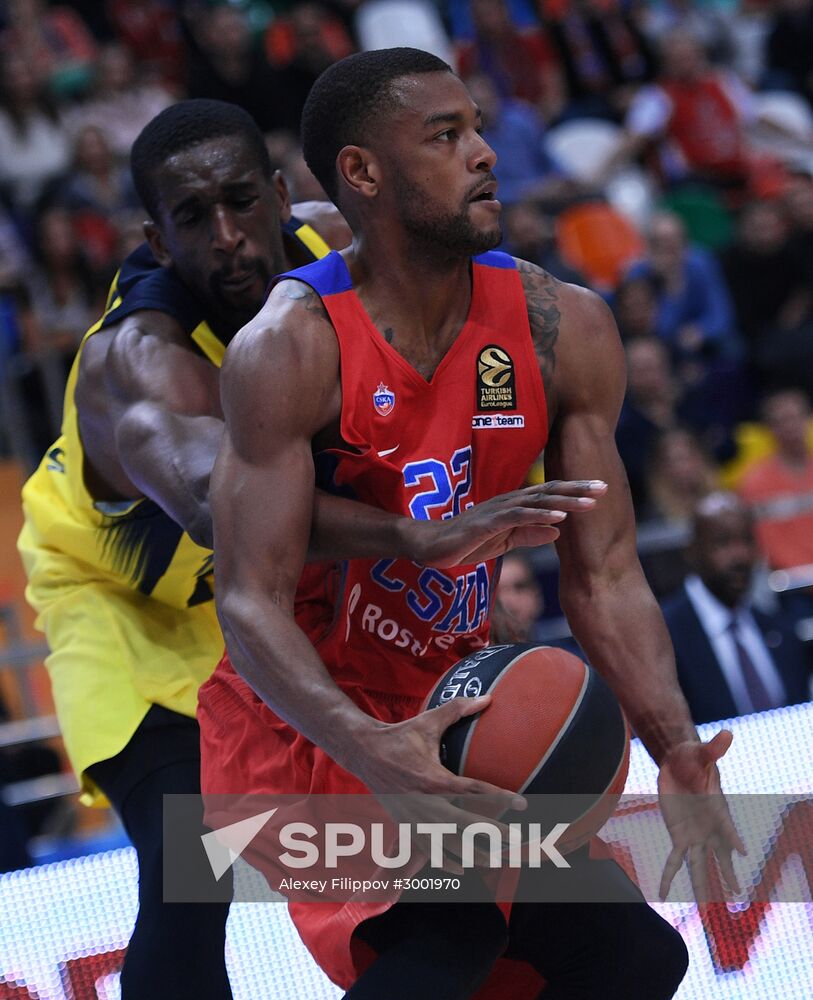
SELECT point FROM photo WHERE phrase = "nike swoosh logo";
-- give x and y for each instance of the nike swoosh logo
(389, 451)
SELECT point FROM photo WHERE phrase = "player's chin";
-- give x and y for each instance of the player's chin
(490, 238)
(245, 296)
(484, 219)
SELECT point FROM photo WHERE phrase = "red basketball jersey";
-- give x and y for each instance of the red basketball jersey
(428, 449)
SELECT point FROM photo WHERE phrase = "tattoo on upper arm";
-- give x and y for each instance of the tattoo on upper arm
(389, 333)
(543, 316)
(299, 291)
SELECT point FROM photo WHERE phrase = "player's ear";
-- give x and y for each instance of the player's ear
(359, 169)
(283, 196)
(155, 239)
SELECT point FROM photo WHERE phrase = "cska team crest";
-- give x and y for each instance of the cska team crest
(383, 400)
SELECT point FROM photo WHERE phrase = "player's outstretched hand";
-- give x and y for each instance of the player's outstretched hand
(696, 814)
(490, 529)
(403, 759)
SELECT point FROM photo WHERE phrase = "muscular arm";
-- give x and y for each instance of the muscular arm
(604, 594)
(279, 387)
(167, 422)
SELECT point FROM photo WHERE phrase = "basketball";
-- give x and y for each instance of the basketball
(553, 727)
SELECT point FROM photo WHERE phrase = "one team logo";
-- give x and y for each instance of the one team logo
(496, 388)
(383, 400)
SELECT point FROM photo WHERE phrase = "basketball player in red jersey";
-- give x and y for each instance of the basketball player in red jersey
(117, 540)
(426, 371)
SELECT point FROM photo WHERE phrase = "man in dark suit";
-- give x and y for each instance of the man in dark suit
(731, 658)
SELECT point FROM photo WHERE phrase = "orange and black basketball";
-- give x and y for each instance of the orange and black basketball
(553, 728)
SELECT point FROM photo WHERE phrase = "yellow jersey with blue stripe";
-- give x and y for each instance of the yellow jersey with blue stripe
(123, 594)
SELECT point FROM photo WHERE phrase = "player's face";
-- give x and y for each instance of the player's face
(440, 168)
(219, 227)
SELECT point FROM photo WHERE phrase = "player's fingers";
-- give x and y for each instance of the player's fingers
(727, 870)
(452, 865)
(515, 517)
(572, 487)
(530, 536)
(474, 786)
(499, 799)
(730, 833)
(670, 869)
(439, 719)
(559, 501)
(717, 746)
(698, 873)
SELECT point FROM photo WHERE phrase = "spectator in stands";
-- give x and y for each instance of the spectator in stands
(780, 487)
(64, 293)
(119, 102)
(650, 408)
(657, 401)
(97, 183)
(767, 277)
(14, 256)
(789, 48)
(52, 41)
(34, 146)
(519, 598)
(710, 27)
(695, 315)
(301, 45)
(97, 192)
(679, 474)
(732, 659)
(152, 32)
(530, 233)
(691, 118)
(798, 206)
(516, 133)
(635, 305)
(226, 65)
(520, 63)
(603, 52)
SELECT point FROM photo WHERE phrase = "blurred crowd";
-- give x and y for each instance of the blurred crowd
(658, 152)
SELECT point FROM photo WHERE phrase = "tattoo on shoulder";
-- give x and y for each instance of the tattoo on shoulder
(299, 291)
(541, 295)
(389, 333)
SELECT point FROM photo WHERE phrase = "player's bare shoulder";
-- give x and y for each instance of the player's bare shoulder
(285, 361)
(292, 318)
(573, 331)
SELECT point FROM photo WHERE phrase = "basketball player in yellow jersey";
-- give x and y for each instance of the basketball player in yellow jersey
(117, 535)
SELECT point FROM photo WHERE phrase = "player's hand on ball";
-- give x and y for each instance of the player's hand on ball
(403, 759)
(512, 520)
(696, 814)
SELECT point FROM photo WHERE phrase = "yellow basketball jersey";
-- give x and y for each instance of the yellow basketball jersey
(123, 594)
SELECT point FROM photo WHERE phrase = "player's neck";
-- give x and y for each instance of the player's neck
(424, 294)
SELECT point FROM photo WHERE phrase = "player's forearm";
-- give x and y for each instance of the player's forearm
(348, 529)
(169, 457)
(272, 654)
(620, 627)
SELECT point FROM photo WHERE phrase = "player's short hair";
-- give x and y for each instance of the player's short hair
(348, 98)
(182, 126)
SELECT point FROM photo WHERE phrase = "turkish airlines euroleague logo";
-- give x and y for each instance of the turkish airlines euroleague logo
(496, 384)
